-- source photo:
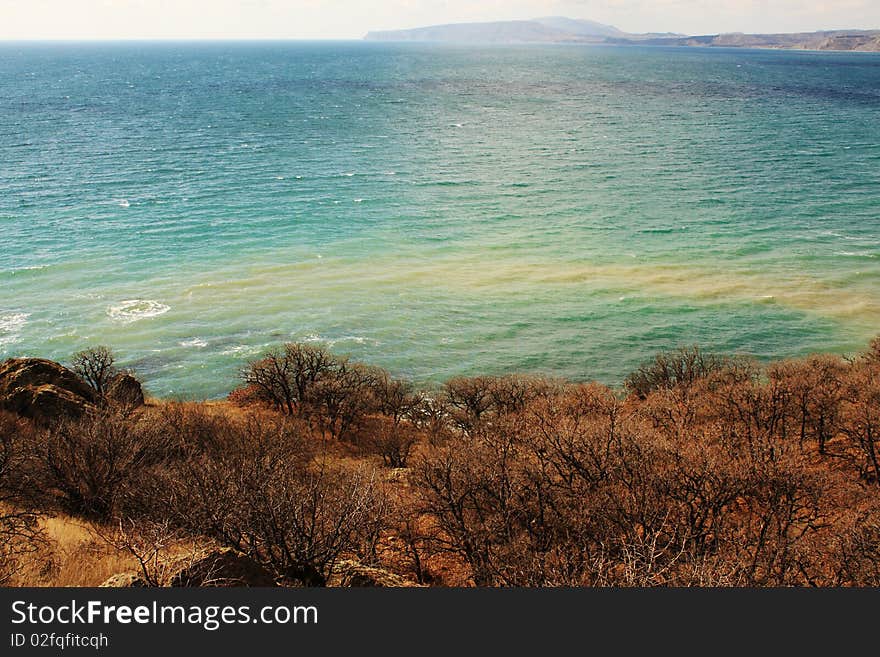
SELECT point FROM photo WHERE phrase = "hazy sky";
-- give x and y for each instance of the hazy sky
(343, 19)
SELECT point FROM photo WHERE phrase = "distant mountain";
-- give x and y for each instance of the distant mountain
(559, 29)
(498, 32)
(857, 40)
(580, 27)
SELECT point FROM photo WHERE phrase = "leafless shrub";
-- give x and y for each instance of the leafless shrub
(271, 500)
(431, 417)
(856, 551)
(470, 402)
(159, 548)
(342, 398)
(309, 382)
(20, 535)
(861, 419)
(674, 369)
(816, 387)
(285, 377)
(393, 442)
(91, 464)
(467, 400)
(395, 398)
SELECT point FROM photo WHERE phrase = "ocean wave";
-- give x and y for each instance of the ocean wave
(133, 310)
(357, 339)
(198, 343)
(11, 324)
(239, 349)
(25, 270)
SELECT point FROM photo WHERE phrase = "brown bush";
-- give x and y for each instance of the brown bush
(90, 465)
(265, 495)
(816, 388)
(20, 535)
(582, 490)
(285, 377)
(392, 441)
(469, 402)
(861, 419)
(675, 369)
(395, 398)
(246, 395)
(307, 381)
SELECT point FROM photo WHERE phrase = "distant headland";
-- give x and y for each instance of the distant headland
(559, 29)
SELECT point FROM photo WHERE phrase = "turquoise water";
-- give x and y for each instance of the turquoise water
(434, 209)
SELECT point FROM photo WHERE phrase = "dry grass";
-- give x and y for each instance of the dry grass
(74, 556)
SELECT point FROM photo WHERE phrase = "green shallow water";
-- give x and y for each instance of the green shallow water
(434, 209)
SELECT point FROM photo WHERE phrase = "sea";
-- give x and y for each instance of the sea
(435, 209)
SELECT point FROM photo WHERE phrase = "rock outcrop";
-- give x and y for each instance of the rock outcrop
(125, 581)
(224, 568)
(43, 390)
(354, 574)
(125, 390)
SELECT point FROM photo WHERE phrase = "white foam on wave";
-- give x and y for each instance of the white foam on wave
(198, 343)
(238, 350)
(133, 310)
(359, 200)
(11, 324)
(855, 254)
(123, 203)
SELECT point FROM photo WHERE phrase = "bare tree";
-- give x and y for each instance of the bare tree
(395, 398)
(861, 422)
(273, 376)
(96, 366)
(674, 369)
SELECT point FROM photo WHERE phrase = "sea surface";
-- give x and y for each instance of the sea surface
(434, 209)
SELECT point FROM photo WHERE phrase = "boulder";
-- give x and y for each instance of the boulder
(224, 567)
(354, 574)
(125, 390)
(43, 390)
(125, 581)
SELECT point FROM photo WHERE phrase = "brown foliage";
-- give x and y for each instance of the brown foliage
(20, 535)
(675, 369)
(90, 465)
(267, 496)
(308, 382)
(714, 472)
